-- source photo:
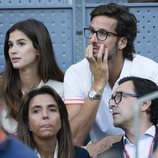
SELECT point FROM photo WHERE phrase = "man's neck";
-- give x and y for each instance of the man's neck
(130, 133)
(115, 68)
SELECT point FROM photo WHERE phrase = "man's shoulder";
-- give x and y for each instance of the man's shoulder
(114, 152)
(144, 67)
(143, 60)
(111, 153)
(79, 69)
(81, 64)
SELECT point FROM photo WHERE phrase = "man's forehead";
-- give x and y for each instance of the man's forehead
(104, 22)
(127, 85)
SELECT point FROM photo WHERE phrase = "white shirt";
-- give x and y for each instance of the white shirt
(77, 83)
(144, 144)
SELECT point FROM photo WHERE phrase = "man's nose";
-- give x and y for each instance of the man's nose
(94, 38)
(112, 105)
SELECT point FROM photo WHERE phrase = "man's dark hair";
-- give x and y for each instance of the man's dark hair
(144, 87)
(126, 24)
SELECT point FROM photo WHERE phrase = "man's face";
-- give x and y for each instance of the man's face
(108, 24)
(122, 111)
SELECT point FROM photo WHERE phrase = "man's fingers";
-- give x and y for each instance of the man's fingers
(100, 54)
(106, 52)
(89, 53)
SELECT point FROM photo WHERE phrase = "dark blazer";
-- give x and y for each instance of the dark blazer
(116, 151)
(81, 152)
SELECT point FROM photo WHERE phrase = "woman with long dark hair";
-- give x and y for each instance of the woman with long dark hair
(43, 125)
(30, 63)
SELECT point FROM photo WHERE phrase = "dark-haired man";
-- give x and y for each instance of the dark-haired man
(88, 84)
(122, 104)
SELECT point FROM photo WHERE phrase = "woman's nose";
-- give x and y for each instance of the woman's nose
(13, 49)
(45, 114)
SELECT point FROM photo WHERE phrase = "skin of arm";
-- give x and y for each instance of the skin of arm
(82, 116)
(100, 146)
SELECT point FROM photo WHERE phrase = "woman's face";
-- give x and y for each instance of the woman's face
(44, 117)
(21, 51)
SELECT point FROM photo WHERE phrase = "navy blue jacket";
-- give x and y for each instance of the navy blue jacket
(81, 152)
(117, 149)
(13, 148)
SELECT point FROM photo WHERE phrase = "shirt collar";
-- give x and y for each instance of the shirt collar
(149, 132)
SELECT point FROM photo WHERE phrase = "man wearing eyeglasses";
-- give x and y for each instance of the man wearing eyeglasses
(109, 56)
(121, 104)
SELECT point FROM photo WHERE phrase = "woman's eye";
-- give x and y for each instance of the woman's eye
(52, 109)
(36, 111)
(21, 43)
(10, 45)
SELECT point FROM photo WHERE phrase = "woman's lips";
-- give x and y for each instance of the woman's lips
(15, 60)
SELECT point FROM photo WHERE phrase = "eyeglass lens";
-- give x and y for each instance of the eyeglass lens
(117, 98)
(101, 34)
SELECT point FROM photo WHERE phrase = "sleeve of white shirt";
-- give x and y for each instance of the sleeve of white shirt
(77, 83)
(146, 68)
(72, 87)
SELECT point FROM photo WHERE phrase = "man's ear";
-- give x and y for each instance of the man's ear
(122, 43)
(146, 105)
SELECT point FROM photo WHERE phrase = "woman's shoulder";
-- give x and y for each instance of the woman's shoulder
(81, 152)
(54, 83)
(58, 86)
(8, 123)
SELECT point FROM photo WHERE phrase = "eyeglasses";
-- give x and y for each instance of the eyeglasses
(101, 34)
(118, 98)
